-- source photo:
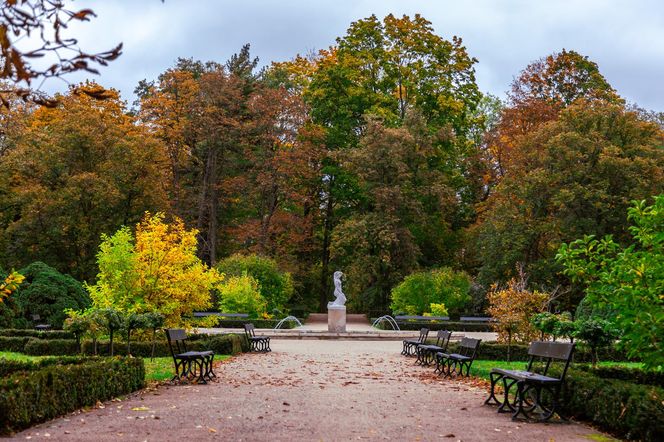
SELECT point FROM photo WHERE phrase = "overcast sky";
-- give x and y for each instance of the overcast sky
(626, 38)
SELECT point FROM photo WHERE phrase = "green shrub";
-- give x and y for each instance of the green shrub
(54, 347)
(226, 344)
(418, 291)
(29, 397)
(47, 293)
(241, 294)
(628, 410)
(10, 366)
(13, 343)
(630, 374)
(275, 286)
(51, 334)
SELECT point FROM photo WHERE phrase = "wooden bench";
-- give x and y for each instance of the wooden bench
(409, 345)
(36, 319)
(256, 343)
(426, 353)
(189, 365)
(448, 364)
(528, 400)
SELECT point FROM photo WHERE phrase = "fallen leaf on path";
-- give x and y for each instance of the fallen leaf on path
(140, 409)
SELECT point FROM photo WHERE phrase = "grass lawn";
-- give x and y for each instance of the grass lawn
(160, 369)
(483, 368)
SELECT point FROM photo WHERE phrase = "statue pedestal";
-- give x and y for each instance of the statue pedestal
(336, 318)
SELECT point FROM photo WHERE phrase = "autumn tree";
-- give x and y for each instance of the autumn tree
(76, 171)
(43, 25)
(155, 270)
(576, 177)
(512, 306)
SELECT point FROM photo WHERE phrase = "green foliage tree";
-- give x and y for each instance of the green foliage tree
(153, 321)
(111, 319)
(131, 322)
(78, 323)
(241, 294)
(596, 333)
(48, 293)
(421, 290)
(628, 280)
(274, 285)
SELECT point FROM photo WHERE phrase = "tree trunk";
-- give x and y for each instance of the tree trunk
(325, 258)
(509, 346)
(154, 333)
(111, 342)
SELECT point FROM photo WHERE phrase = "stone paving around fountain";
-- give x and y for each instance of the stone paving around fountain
(308, 390)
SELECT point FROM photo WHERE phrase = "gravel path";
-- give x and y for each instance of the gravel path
(308, 390)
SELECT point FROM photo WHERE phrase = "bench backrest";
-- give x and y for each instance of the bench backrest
(468, 347)
(249, 330)
(549, 352)
(424, 333)
(176, 340)
(443, 339)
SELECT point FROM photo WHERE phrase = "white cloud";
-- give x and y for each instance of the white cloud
(623, 37)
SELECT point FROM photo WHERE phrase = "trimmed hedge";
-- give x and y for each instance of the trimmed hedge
(11, 343)
(628, 410)
(51, 334)
(30, 397)
(50, 347)
(10, 366)
(221, 344)
(629, 374)
(258, 323)
(492, 351)
(435, 326)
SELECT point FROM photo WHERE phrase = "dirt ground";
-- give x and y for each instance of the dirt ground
(308, 390)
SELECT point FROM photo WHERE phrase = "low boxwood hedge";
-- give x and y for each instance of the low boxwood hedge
(493, 351)
(628, 410)
(10, 366)
(12, 343)
(258, 323)
(51, 334)
(29, 397)
(630, 374)
(221, 344)
(50, 347)
(435, 326)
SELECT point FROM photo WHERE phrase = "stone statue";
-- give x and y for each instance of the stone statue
(340, 299)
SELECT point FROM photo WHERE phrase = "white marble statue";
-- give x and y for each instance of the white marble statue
(340, 299)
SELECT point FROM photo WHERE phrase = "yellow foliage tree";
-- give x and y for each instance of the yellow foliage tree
(11, 283)
(512, 307)
(157, 271)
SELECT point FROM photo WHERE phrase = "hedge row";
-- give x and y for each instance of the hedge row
(30, 397)
(258, 323)
(51, 334)
(628, 410)
(435, 326)
(221, 344)
(630, 374)
(492, 351)
(10, 366)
